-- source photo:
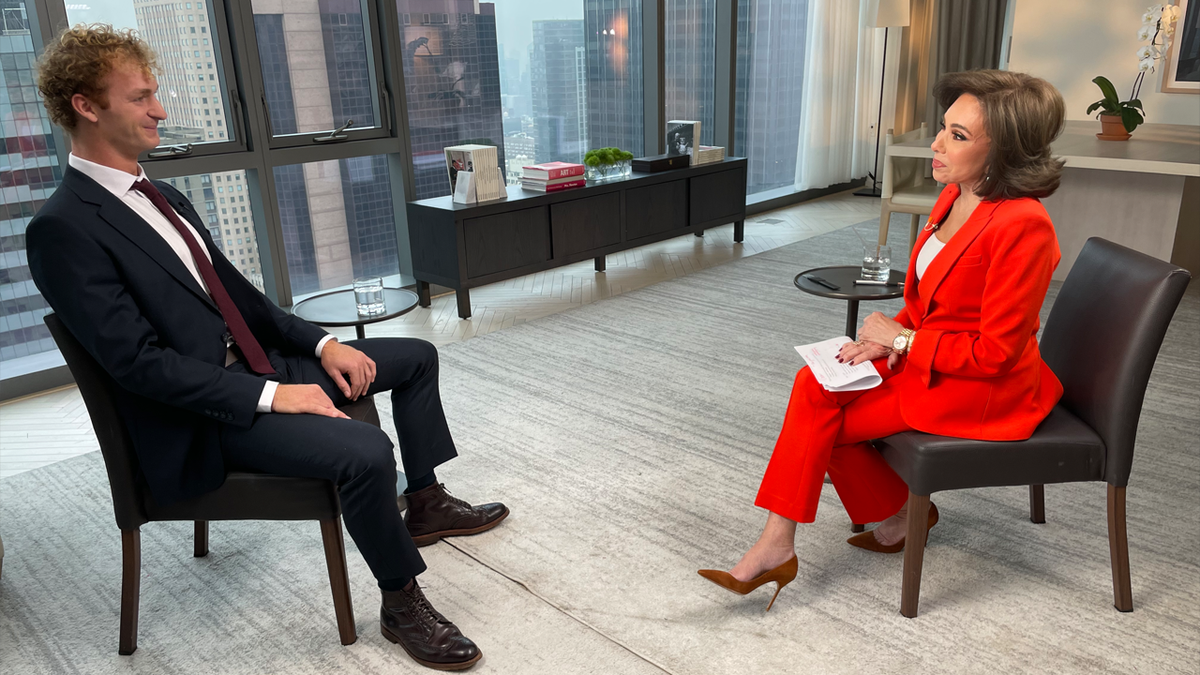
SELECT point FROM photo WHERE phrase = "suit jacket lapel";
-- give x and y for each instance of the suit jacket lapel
(126, 221)
(948, 256)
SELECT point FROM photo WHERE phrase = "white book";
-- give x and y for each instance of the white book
(821, 358)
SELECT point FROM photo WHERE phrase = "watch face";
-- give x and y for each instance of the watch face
(899, 343)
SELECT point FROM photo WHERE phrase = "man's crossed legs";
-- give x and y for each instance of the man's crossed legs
(359, 458)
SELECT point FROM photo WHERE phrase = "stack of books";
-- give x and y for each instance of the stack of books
(552, 176)
(480, 166)
(708, 153)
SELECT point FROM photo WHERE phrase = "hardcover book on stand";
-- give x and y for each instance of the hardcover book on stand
(683, 137)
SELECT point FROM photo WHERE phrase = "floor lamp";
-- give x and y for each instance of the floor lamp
(887, 13)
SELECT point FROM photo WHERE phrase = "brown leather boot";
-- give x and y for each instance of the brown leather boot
(432, 514)
(408, 619)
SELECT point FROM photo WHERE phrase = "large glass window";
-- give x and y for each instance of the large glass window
(317, 64)
(338, 221)
(691, 33)
(29, 173)
(191, 74)
(543, 80)
(770, 83)
(223, 202)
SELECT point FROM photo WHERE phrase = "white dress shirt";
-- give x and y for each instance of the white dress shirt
(120, 184)
(928, 252)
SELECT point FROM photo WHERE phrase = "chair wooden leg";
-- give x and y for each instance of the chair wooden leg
(914, 553)
(914, 221)
(1118, 548)
(339, 580)
(857, 527)
(1037, 504)
(201, 539)
(131, 581)
(885, 217)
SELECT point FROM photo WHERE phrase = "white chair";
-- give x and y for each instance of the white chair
(905, 187)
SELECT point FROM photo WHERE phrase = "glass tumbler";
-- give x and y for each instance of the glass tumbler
(368, 296)
(876, 263)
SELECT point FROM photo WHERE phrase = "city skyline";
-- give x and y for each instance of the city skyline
(559, 90)
(29, 174)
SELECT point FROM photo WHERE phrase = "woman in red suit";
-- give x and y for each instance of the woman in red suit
(961, 359)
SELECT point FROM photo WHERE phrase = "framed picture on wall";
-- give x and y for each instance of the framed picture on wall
(1181, 68)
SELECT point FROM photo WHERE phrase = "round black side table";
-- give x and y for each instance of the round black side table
(337, 309)
(843, 277)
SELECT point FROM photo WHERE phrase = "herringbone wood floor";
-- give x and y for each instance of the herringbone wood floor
(53, 426)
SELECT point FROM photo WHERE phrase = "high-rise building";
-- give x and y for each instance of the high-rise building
(29, 173)
(558, 67)
(190, 93)
(452, 77)
(690, 68)
(337, 215)
(613, 50)
(520, 150)
(770, 85)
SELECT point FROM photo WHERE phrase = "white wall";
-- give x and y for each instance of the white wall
(1069, 42)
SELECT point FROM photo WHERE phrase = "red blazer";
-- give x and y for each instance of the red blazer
(974, 370)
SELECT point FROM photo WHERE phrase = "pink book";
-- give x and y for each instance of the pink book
(552, 170)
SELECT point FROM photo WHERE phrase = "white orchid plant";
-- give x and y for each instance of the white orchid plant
(1158, 25)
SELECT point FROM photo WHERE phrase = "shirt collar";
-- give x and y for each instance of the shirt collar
(115, 181)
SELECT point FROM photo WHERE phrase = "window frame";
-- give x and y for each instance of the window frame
(381, 99)
(55, 14)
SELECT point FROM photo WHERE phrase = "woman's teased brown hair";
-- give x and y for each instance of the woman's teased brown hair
(1022, 115)
(77, 63)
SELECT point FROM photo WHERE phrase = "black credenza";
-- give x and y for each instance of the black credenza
(462, 246)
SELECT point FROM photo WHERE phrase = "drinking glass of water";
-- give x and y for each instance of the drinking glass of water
(877, 263)
(368, 296)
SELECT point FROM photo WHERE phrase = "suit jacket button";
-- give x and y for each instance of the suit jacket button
(207, 411)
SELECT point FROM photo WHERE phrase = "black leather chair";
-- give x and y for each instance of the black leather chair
(1101, 340)
(244, 496)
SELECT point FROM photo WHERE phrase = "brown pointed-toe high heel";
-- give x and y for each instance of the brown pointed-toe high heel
(782, 576)
(868, 541)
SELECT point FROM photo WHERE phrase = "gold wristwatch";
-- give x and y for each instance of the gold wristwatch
(904, 341)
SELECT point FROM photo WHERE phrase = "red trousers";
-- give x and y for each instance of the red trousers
(825, 432)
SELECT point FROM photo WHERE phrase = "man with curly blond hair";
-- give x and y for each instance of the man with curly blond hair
(214, 377)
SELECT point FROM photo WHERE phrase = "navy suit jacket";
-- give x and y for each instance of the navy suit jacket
(126, 296)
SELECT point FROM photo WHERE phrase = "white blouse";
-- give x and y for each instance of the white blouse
(929, 251)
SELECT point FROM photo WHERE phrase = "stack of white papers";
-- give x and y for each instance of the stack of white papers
(821, 358)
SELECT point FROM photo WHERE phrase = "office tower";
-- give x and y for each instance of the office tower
(690, 67)
(770, 84)
(520, 150)
(337, 215)
(29, 173)
(613, 42)
(452, 77)
(559, 80)
(189, 90)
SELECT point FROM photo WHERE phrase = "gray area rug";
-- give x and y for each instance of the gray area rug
(629, 437)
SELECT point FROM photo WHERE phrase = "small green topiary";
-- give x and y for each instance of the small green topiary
(602, 156)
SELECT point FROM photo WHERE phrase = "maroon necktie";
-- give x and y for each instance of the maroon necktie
(251, 350)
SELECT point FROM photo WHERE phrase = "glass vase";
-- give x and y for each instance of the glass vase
(606, 172)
